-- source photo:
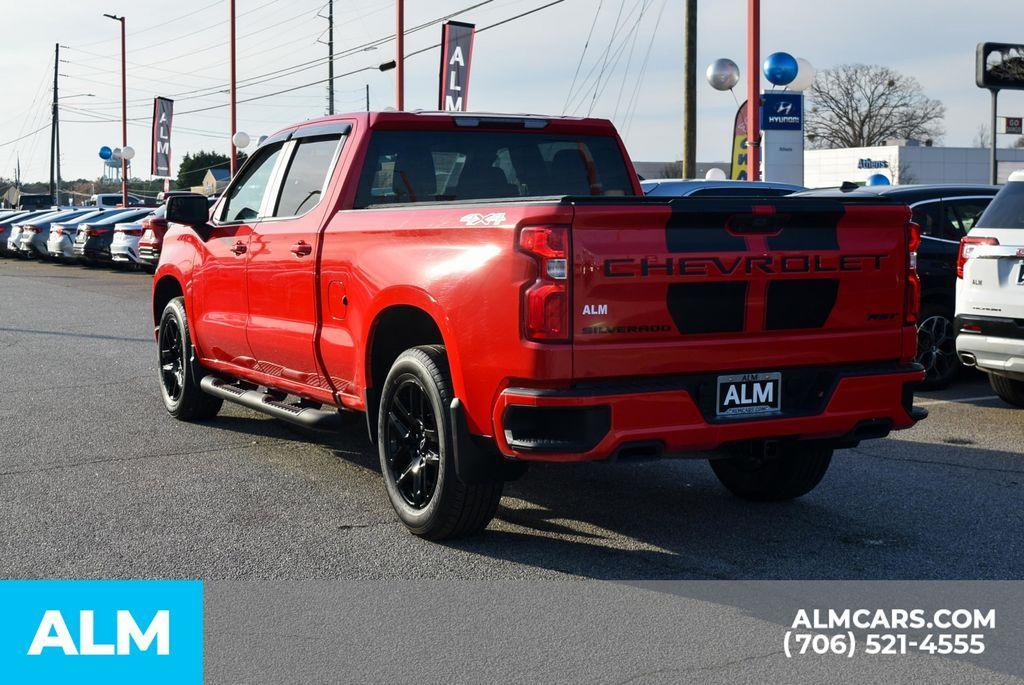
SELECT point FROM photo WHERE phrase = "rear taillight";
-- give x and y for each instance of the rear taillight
(131, 231)
(968, 245)
(912, 293)
(546, 302)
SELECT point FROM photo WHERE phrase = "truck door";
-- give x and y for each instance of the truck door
(281, 269)
(219, 287)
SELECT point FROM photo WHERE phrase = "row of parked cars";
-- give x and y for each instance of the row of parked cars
(91, 235)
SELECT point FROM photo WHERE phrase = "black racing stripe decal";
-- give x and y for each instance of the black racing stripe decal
(699, 226)
(708, 307)
(800, 303)
(808, 231)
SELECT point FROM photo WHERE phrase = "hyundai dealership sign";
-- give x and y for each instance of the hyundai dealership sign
(782, 112)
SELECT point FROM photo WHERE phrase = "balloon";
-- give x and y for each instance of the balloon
(128, 152)
(105, 152)
(780, 68)
(723, 74)
(878, 180)
(240, 139)
(714, 174)
(804, 76)
(116, 154)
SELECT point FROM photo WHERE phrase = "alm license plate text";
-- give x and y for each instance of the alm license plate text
(748, 394)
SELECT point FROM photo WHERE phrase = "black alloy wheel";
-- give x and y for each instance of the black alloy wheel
(936, 350)
(411, 441)
(172, 359)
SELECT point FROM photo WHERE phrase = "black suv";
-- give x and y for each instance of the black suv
(945, 213)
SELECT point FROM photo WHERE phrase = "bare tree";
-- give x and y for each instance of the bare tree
(982, 138)
(860, 105)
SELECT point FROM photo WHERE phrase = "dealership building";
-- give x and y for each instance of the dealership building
(907, 161)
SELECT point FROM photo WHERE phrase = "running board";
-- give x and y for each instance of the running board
(307, 417)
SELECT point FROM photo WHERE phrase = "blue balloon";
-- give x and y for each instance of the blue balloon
(780, 68)
(106, 152)
(878, 180)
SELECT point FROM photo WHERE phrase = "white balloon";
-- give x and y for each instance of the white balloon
(723, 74)
(804, 76)
(116, 154)
(714, 174)
(128, 152)
(240, 139)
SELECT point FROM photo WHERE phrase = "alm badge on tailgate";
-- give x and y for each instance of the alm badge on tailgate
(749, 393)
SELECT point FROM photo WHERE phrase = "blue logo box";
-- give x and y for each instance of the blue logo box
(101, 631)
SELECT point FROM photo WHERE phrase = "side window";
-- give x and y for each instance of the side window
(966, 213)
(246, 194)
(929, 217)
(306, 176)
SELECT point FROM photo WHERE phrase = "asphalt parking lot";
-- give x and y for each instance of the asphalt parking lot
(97, 481)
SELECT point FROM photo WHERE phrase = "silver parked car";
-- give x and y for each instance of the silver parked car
(7, 227)
(682, 187)
(35, 232)
(61, 242)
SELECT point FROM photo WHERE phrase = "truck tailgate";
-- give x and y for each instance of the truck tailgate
(693, 286)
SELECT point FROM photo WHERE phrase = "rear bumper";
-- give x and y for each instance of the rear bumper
(676, 415)
(998, 347)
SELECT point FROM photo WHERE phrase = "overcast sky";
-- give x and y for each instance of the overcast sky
(180, 47)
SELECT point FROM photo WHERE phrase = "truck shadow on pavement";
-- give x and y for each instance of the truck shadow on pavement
(946, 512)
(890, 509)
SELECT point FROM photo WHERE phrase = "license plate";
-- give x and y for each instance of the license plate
(750, 394)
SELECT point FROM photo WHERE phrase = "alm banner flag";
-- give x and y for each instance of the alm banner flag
(163, 113)
(456, 53)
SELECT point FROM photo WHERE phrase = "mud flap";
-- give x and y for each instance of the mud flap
(475, 463)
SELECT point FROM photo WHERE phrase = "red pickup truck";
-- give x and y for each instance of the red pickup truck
(494, 290)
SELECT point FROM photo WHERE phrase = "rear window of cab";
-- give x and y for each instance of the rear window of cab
(430, 166)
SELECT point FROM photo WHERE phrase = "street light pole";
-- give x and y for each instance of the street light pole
(234, 121)
(400, 55)
(753, 90)
(689, 169)
(124, 112)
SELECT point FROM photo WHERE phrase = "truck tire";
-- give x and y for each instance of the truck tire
(936, 347)
(178, 369)
(1008, 389)
(794, 472)
(415, 442)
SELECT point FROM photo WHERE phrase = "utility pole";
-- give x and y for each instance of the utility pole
(400, 55)
(690, 90)
(993, 161)
(753, 90)
(124, 112)
(367, 97)
(54, 173)
(330, 56)
(234, 120)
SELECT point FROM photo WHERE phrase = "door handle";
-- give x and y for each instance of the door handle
(302, 248)
(239, 247)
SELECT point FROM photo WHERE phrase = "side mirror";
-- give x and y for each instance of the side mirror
(191, 210)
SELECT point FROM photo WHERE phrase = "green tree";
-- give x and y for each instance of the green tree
(194, 165)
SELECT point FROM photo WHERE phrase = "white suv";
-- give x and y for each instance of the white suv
(990, 293)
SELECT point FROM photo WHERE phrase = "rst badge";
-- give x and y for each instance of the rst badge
(749, 394)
